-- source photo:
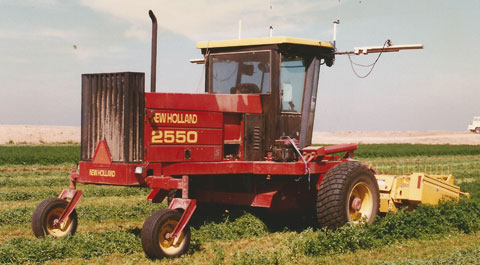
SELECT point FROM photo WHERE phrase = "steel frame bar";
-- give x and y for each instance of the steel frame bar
(189, 207)
(74, 196)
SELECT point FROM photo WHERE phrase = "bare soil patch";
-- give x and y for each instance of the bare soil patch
(397, 137)
(34, 134)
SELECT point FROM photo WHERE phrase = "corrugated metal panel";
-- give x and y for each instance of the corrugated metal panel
(112, 110)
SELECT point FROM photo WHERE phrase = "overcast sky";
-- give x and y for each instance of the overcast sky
(437, 88)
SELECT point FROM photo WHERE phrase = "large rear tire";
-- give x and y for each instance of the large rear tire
(45, 216)
(349, 193)
(154, 235)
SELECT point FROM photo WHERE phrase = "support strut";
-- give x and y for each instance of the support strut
(73, 194)
(188, 207)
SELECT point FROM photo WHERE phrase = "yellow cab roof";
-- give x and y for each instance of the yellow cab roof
(263, 41)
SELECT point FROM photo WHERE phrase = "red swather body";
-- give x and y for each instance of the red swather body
(246, 141)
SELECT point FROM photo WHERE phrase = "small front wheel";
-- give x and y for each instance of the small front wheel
(477, 130)
(156, 231)
(46, 215)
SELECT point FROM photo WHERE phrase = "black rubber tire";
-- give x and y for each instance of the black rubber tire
(332, 197)
(477, 130)
(40, 224)
(150, 234)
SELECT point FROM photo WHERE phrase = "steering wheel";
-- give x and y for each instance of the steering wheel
(245, 88)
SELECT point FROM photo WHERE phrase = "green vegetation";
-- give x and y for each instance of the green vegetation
(70, 153)
(410, 150)
(90, 212)
(88, 191)
(39, 154)
(89, 245)
(426, 221)
(445, 234)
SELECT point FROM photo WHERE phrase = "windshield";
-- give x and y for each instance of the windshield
(292, 81)
(240, 73)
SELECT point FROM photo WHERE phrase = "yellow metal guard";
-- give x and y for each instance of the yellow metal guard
(414, 189)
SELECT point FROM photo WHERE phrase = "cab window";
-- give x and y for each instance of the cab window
(240, 73)
(292, 81)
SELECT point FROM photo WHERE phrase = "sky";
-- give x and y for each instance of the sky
(45, 46)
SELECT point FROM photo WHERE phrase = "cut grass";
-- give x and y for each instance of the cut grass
(37, 167)
(39, 182)
(403, 150)
(84, 201)
(9, 232)
(410, 238)
(90, 212)
(245, 240)
(33, 174)
(70, 153)
(85, 246)
(413, 251)
(419, 251)
(41, 193)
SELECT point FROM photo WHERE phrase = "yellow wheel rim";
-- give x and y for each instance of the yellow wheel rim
(169, 245)
(360, 202)
(52, 218)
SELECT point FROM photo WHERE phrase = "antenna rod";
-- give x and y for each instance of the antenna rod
(153, 74)
(240, 29)
(335, 33)
(381, 49)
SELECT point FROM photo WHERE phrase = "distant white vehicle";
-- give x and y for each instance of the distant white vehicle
(475, 126)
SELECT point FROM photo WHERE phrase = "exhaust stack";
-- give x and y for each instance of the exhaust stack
(153, 76)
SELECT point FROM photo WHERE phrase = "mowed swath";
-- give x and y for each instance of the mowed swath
(110, 218)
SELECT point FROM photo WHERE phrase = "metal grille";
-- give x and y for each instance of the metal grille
(112, 110)
(257, 137)
(254, 149)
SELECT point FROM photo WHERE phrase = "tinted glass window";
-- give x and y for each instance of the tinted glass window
(240, 73)
(292, 81)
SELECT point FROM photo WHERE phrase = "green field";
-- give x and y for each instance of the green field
(110, 218)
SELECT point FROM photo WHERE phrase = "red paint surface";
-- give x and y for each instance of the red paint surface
(248, 199)
(189, 207)
(246, 167)
(191, 119)
(124, 174)
(340, 148)
(204, 102)
(203, 136)
(176, 153)
(102, 155)
(164, 182)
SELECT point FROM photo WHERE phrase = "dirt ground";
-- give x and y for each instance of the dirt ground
(38, 134)
(390, 137)
(63, 134)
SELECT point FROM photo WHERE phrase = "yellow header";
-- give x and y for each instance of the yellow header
(262, 41)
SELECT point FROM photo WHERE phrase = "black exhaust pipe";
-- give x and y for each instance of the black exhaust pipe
(153, 76)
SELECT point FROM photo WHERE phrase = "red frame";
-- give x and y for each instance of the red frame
(217, 120)
(237, 103)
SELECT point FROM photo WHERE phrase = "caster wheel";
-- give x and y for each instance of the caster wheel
(155, 231)
(45, 216)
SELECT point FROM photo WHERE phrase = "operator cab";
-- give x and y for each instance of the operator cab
(282, 70)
